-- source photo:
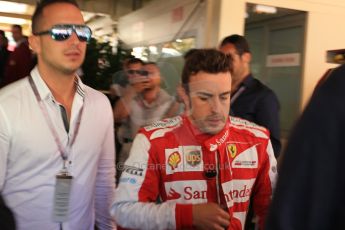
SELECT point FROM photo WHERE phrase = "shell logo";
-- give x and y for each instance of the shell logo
(174, 159)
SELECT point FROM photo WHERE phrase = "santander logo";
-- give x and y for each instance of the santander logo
(237, 191)
(173, 195)
(220, 141)
(188, 194)
(238, 195)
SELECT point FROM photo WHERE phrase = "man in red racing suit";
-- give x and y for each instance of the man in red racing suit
(179, 176)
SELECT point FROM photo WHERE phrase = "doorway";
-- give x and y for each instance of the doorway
(276, 38)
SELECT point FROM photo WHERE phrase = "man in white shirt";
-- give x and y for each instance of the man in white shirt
(56, 134)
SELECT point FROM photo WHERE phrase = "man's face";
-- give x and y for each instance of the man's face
(209, 101)
(16, 34)
(153, 75)
(237, 62)
(63, 56)
(133, 72)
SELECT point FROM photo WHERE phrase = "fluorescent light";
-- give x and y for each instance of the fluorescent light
(265, 9)
(9, 20)
(12, 7)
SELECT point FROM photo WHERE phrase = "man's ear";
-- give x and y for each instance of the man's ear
(183, 95)
(246, 57)
(35, 44)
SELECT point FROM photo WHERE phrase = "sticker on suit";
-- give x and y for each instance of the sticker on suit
(188, 192)
(183, 159)
(243, 158)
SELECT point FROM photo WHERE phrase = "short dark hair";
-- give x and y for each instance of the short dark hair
(150, 63)
(238, 41)
(206, 60)
(19, 27)
(133, 61)
(36, 17)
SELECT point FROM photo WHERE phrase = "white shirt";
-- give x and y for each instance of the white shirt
(30, 160)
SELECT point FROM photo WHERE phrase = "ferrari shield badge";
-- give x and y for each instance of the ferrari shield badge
(232, 150)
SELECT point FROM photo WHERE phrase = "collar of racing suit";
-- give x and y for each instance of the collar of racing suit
(210, 142)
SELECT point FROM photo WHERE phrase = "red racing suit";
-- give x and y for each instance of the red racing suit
(173, 166)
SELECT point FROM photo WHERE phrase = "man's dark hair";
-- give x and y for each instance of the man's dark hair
(238, 41)
(150, 63)
(36, 17)
(206, 60)
(133, 61)
(19, 27)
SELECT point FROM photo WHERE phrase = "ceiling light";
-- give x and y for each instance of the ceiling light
(264, 9)
(16, 21)
(12, 7)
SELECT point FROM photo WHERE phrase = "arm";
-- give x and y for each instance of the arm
(4, 146)
(265, 183)
(105, 181)
(267, 115)
(121, 109)
(134, 205)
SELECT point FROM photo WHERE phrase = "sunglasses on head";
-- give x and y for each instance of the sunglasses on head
(64, 31)
(139, 72)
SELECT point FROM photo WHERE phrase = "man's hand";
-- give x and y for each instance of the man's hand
(210, 216)
(139, 87)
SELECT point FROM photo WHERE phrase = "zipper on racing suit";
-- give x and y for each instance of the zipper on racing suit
(217, 176)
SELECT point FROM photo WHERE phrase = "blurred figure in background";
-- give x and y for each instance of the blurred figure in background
(4, 54)
(143, 102)
(120, 78)
(250, 98)
(311, 185)
(120, 83)
(21, 60)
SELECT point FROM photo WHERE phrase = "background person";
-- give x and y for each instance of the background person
(143, 102)
(4, 54)
(250, 98)
(21, 60)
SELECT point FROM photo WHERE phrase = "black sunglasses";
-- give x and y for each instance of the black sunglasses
(139, 72)
(64, 31)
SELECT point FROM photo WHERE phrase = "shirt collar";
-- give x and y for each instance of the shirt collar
(23, 40)
(248, 81)
(45, 92)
